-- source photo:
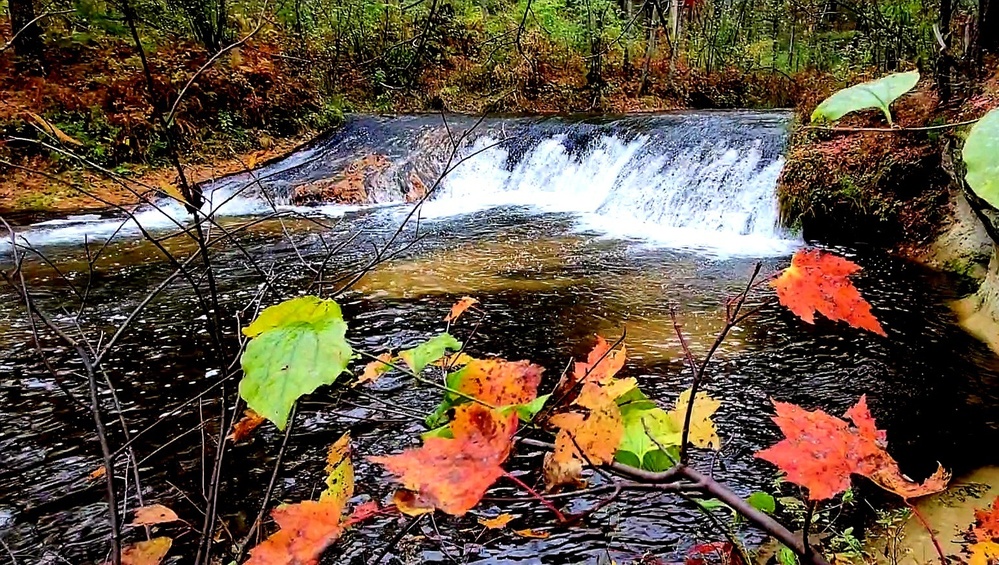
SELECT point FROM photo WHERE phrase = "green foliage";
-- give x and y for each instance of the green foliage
(651, 440)
(763, 502)
(429, 351)
(981, 157)
(877, 94)
(297, 346)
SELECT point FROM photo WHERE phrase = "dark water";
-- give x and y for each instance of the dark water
(546, 288)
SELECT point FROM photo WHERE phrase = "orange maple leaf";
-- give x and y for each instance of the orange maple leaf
(245, 426)
(819, 281)
(601, 364)
(307, 529)
(987, 523)
(459, 308)
(820, 452)
(454, 474)
(592, 436)
(500, 383)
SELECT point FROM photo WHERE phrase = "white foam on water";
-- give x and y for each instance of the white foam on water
(711, 197)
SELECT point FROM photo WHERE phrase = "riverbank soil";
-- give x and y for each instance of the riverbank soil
(903, 190)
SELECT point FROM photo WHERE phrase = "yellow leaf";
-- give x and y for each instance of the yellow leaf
(149, 552)
(459, 308)
(496, 523)
(455, 360)
(340, 473)
(410, 503)
(984, 553)
(530, 533)
(702, 428)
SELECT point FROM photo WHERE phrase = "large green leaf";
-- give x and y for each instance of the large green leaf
(981, 157)
(293, 356)
(308, 309)
(647, 433)
(429, 351)
(874, 94)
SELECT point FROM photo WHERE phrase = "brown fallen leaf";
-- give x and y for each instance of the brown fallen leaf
(153, 514)
(245, 426)
(375, 369)
(532, 533)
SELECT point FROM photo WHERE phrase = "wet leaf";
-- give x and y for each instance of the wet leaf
(987, 523)
(762, 502)
(819, 281)
(339, 473)
(984, 553)
(532, 533)
(876, 94)
(454, 360)
(459, 308)
(98, 473)
(149, 552)
(497, 523)
(981, 157)
(245, 426)
(153, 514)
(411, 503)
(601, 364)
(702, 428)
(376, 368)
(562, 469)
(713, 552)
(299, 346)
(454, 474)
(820, 452)
(429, 351)
(307, 529)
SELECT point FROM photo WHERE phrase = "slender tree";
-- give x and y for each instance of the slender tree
(27, 41)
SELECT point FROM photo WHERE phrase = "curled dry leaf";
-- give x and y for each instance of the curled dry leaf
(497, 523)
(818, 281)
(245, 426)
(459, 308)
(154, 514)
(376, 368)
(820, 452)
(149, 552)
(453, 474)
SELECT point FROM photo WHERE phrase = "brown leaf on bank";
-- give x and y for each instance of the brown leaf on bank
(376, 368)
(153, 514)
(497, 523)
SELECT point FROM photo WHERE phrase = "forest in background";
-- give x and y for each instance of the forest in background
(284, 67)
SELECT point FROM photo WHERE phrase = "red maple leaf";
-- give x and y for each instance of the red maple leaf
(454, 474)
(820, 452)
(987, 523)
(818, 281)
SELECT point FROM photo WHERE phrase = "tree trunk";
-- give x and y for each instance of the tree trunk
(28, 42)
(944, 61)
(988, 26)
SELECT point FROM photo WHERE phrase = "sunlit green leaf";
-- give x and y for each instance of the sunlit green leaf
(762, 502)
(288, 361)
(647, 432)
(429, 351)
(305, 309)
(981, 157)
(785, 556)
(874, 94)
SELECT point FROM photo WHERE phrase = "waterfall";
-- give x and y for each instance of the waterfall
(702, 180)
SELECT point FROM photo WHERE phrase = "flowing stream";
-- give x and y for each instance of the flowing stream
(563, 228)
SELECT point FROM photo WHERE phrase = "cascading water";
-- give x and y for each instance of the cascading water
(687, 180)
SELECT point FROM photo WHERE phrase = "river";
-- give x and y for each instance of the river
(563, 228)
